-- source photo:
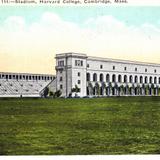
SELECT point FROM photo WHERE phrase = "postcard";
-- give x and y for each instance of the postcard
(79, 79)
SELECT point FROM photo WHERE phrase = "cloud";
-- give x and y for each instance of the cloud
(36, 44)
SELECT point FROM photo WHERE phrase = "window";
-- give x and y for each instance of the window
(61, 86)
(60, 63)
(94, 77)
(101, 66)
(135, 69)
(61, 79)
(135, 79)
(60, 71)
(119, 78)
(130, 79)
(155, 80)
(155, 71)
(79, 74)
(79, 81)
(114, 78)
(88, 76)
(146, 70)
(78, 63)
(87, 65)
(150, 80)
(113, 67)
(101, 77)
(81, 63)
(125, 79)
(125, 68)
(107, 78)
(146, 80)
(141, 79)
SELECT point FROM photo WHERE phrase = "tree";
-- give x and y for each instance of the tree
(46, 91)
(57, 93)
(51, 93)
(75, 90)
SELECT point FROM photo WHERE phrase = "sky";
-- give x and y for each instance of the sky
(30, 36)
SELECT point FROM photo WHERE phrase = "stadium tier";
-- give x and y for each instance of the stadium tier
(23, 85)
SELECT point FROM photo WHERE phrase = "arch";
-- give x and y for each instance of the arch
(150, 79)
(125, 79)
(136, 79)
(113, 78)
(130, 79)
(141, 79)
(107, 78)
(101, 77)
(119, 78)
(146, 79)
(155, 80)
(88, 77)
(94, 77)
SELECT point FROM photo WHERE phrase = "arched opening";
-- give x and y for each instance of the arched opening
(119, 78)
(94, 77)
(146, 79)
(113, 78)
(101, 77)
(125, 79)
(136, 79)
(130, 79)
(150, 80)
(141, 79)
(155, 80)
(88, 77)
(107, 78)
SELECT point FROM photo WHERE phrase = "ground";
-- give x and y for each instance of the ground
(120, 125)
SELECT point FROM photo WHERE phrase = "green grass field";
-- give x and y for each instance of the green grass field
(124, 125)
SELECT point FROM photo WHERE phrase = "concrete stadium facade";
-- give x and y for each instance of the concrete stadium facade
(96, 76)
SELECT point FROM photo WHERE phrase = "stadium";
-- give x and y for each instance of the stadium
(92, 76)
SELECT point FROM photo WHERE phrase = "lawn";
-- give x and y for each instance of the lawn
(123, 125)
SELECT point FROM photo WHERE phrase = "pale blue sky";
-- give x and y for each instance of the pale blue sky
(129, 15)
